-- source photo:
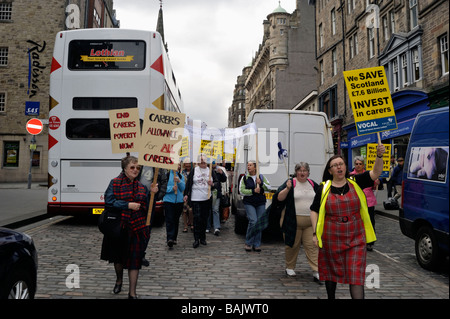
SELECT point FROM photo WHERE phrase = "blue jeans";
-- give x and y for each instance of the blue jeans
(215, 214)
(253, 214)
(172, 212)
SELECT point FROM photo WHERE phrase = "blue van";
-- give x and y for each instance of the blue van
(424, 211)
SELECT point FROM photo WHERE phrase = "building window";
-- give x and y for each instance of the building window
(328, 103)
(371, 39)
(416, 64)
(11, 154)
(333, 22)
(281, 21)
(351, 6)
(413, 13)
(443, 42)
(392, 18)
(404, 69)
(353, 45)
(334, 57)
(97, 18)
(3, 56)
(321, 35)
(385, 25)
(395, 74)
(5, 11)
(322, 76)
(2, 102)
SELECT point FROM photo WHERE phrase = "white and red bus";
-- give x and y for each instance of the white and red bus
(93, 71)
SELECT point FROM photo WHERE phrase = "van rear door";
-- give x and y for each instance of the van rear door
(310, 142)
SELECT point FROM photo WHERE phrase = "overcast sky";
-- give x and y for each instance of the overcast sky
(209, 41)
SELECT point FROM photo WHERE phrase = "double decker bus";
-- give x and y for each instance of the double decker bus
(92, 72)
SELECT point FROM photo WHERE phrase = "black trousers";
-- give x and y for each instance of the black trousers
(201, 212)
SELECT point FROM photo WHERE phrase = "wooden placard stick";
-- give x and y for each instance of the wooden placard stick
(152, 196)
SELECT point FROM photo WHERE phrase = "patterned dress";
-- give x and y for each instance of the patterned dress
(343, 256)
(130, 248)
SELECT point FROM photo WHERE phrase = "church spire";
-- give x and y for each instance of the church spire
(160, 25)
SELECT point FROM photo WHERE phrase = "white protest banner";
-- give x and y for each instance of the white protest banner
(161, 138)
(201, 140)
(124, 128)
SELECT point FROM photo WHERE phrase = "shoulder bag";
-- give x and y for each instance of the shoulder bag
(109, 222)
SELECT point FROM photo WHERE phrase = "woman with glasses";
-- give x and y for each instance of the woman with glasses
(342, 224)
(368, 191)
(295, 197)
(128, 195)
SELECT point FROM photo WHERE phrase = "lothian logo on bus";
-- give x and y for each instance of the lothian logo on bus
(106, 52)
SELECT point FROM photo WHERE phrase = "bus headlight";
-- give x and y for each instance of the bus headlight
(54, 191)
(54, 163)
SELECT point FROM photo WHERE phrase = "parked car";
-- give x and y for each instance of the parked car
(18, 265)
(307, 138)
(424, 211)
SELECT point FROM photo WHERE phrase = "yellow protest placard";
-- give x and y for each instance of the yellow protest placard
(124, 128)
(372, 156)
(371, 100)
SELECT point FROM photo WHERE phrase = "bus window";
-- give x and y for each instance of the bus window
(103, 103)
(81, 129)
(106, 55)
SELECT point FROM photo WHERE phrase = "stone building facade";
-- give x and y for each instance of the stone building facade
(236, 112)
(408, 37)
(27, 35)
(282, 72)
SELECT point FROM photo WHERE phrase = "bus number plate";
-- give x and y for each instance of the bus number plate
(97, 211)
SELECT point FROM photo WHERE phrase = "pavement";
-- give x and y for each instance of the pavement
(20, 203)
(33, 202)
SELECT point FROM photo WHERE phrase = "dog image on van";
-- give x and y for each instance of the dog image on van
(428, 163)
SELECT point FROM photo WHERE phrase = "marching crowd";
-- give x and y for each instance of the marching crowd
(332, 219)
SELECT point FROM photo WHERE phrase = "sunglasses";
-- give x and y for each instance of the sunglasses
(135, 167)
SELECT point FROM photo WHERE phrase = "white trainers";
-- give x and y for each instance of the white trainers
(290, 272)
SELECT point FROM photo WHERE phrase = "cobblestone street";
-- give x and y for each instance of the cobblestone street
(220, 270)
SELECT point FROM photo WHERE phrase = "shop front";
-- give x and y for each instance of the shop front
(407, 104)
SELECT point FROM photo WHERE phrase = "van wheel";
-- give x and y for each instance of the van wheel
(427, 250)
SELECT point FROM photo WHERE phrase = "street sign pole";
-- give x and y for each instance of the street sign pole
(32, 148)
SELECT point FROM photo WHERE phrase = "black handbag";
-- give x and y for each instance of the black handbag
(109, 222)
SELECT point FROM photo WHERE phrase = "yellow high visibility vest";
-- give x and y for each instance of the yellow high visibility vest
(364, 211)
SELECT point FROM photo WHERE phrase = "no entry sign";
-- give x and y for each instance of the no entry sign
(34, 126)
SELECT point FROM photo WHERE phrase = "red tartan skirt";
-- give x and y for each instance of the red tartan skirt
(127, 250)
(137, 243)
(342, 257)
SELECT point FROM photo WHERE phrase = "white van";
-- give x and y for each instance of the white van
(305, 135)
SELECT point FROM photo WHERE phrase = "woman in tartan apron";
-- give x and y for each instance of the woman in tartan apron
(342, 223)
(131, 197)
